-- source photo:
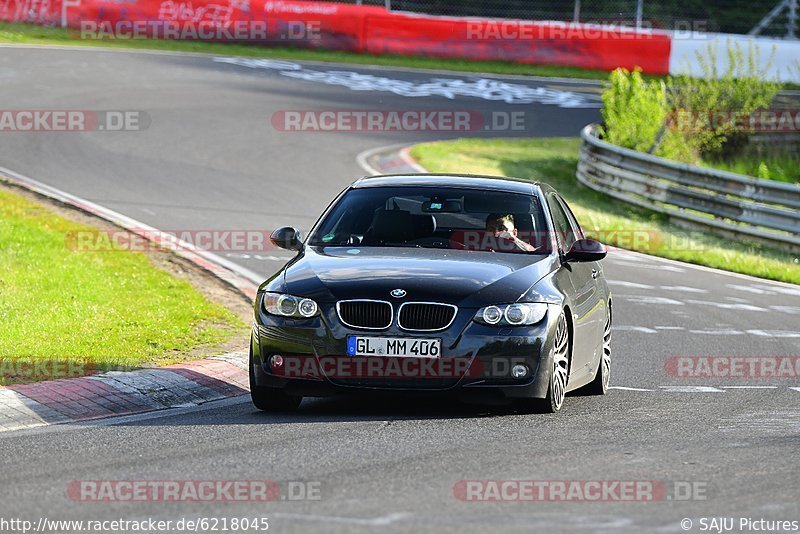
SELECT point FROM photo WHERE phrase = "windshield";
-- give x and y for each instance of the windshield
(429, 217)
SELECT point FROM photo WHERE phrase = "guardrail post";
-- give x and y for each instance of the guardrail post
(639, 13)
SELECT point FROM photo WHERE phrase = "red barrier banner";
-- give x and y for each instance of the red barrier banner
(350, 27)
(549, 43)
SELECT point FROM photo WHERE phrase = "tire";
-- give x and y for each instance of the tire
(559, 374)
(271, 399)
(599, 386)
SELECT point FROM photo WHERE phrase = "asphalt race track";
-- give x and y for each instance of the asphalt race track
(210, 158)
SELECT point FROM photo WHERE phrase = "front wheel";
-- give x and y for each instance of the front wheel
(559, 373)
(271, 399)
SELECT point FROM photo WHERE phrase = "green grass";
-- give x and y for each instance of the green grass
(103, 309)
(554, 161)
(32, 34)
(783, 166)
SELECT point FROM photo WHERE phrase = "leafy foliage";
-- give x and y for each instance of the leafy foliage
(740, 89)
(633, 110)
(635, 114)
(680, 119)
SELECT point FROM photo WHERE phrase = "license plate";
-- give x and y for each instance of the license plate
(394, 346)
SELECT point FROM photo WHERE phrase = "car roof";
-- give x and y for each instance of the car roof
(465, 181)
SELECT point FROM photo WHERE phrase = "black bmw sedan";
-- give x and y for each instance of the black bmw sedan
(475, 286)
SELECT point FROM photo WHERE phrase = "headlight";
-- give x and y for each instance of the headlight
(491, 315)
(289, 306)
(512, 314)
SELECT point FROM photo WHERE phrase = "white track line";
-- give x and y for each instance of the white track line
(382, 68)
(691, 389)
(749, 387)
(72, 426)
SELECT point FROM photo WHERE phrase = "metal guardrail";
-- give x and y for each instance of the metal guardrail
(726, 203)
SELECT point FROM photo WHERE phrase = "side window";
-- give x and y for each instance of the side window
(565, 235)
(571, 216)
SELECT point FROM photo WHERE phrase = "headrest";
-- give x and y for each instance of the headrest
(391, 226)
(523, 221)
(424, 225)
(396, 226)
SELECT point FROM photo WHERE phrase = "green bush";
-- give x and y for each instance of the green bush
(635, 114)
(763, 171)
(633, 110)
(742, 87)
(649, 116)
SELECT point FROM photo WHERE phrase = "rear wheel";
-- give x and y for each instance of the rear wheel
(599, 386)
(271, 399)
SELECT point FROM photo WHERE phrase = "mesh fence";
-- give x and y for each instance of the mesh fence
(725, 16)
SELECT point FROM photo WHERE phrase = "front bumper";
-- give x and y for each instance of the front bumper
(475, 363)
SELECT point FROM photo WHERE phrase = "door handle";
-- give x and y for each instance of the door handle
(595, 273)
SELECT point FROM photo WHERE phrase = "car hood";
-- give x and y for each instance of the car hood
(464, 278)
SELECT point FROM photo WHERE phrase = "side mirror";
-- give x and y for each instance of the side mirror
(287, 237)
(586, 250)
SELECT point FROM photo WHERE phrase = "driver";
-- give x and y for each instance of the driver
(502, 226)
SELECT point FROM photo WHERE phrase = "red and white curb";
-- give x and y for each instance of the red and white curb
(124, 393)
(393, 159)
